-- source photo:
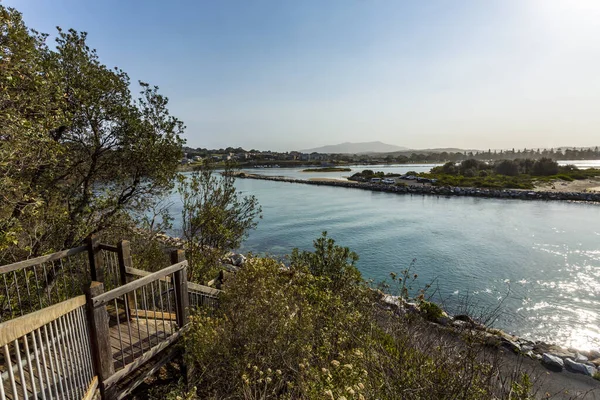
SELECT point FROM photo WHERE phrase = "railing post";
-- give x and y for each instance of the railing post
(100, 340)
(95, 257)
(181, 292)
(125, 261)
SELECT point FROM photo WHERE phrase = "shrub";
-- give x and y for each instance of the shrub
(310, 332)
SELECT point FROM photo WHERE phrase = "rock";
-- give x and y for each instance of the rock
(526, 348)
(594, 353)
(553, 361)
(596, 362)
(580, 358)
(514, 346)
(579, 367)
(238, 260)
(465, 318)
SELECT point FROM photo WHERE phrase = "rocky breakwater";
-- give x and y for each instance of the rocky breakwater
(441, 190)
(554, 357)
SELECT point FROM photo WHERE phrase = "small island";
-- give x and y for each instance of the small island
(327, 169)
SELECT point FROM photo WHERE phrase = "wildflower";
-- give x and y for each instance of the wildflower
(269, 370)
(301, 366)
(278, 372)
(361, 386)
(255, 368)
(350, 390)
(361, 397)
(329, 393)
(335, 363)
(358, 353)
(348, 366)
(342, 398)
(324, 370)
(268, 380)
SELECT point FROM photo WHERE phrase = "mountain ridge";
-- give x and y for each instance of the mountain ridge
(356, 148)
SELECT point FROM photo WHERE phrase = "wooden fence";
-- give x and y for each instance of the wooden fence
(85, 319)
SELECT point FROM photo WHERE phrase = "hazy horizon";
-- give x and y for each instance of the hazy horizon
(297, 75)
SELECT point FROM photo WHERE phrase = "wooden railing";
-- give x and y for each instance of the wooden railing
(46, 354)
(57, 343)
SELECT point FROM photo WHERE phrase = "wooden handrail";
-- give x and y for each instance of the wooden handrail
(108, 247)
(191, 285)
(13, 329)
(42, 259)
(113, 294)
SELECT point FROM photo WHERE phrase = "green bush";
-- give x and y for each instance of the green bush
(315, 331)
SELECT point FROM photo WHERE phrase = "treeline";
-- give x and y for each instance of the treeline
(472, 167)
(496, 155)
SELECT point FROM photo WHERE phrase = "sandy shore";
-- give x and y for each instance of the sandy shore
(585, 185)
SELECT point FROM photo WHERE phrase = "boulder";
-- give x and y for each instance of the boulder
(580, 358)
(238, 260)
(553, 361)
(579, 367)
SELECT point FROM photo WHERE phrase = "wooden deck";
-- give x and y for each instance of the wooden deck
(130, 339)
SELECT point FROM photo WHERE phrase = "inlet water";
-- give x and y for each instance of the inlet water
(540, 261)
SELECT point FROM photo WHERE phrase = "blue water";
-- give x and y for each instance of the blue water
(540, 261)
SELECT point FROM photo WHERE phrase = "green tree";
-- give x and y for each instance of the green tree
(216, 217)
(507, 167)
(77, 152)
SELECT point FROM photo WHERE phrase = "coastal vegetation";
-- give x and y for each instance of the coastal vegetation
(327, 169)
(502, 174)
(507, 174)
(315, 330)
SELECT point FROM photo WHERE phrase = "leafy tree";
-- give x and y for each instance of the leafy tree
(215, 218)
(507, 167)
(77, 151)
(545, 167)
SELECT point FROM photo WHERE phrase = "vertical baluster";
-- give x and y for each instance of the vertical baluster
(66, 366)
(47, 286)
(50, 361)
(127, 314)
(85, 342)
(2, 393)
(37, 286)
(21, 371)
(41, 372)
(141, 342)
(70, 333)
(54, 360)
(145, 304)
(162, 309)
(31, 309)
(11, 375)
(16, 282)
(56, 285)
(29, 366)
(169, 303)
(119, 330)
(7, 296)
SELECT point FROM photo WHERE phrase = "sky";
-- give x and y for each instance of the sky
(289, 75)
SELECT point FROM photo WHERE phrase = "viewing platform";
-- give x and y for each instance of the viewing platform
(84, 323)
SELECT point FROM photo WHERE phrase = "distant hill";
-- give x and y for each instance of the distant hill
(356, 148)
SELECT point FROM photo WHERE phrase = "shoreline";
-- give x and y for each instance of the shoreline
(517, 194)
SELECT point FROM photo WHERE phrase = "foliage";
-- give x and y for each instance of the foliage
(288, 333)
(215, 218)
(77, 151)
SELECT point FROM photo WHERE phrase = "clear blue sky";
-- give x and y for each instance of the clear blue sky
(285, 75)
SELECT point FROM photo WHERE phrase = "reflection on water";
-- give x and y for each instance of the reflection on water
(544, 257)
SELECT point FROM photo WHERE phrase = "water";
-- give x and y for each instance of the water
(297, 173)
(582, 164)
(543, 258)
